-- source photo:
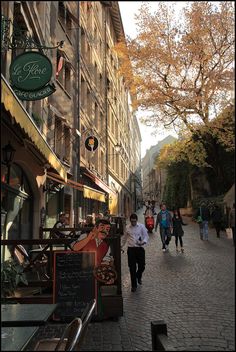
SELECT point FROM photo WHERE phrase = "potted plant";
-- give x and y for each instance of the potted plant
(11, 275)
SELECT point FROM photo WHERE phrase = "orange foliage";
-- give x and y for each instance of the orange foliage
(181, 70)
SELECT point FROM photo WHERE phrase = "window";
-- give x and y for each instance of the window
(67, 138)
(63, 72)
(95, 37)
(83, 42)
(64, 18)
(95, 74)
(62, 140)
(96, 122)
(17, 201)
(102, 164)
(58, 137)
(83, 94)
(20, 29)
(100, 84)
(68, 78)
(88, 54)
(89, 103)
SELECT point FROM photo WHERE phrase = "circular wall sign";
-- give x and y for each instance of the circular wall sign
(91, 143)
(30, 71)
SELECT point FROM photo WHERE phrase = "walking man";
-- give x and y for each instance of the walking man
(136, 236)
(164, 218)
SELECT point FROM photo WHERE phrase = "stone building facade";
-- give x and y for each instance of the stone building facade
(52, 170)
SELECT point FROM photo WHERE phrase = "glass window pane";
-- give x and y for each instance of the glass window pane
(52, 209)
(15, 177)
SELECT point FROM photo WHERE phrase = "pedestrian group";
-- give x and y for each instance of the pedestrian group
(136, 234)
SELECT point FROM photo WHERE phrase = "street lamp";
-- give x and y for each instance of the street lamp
(8, 154)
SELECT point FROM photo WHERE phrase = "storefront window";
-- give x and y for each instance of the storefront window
(52, 210)
(17, 202)
(15, 177)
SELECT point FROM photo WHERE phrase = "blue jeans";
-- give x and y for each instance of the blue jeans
(165, 236)
(204, 230)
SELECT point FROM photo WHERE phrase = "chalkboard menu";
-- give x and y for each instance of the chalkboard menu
(74, 283)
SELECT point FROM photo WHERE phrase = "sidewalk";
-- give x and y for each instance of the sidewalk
(193, 292)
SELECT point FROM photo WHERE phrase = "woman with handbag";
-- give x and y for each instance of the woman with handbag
(178, 231)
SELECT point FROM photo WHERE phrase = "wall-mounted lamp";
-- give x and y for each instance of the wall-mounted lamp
(117, 148)
(8, 153)
(52, 187)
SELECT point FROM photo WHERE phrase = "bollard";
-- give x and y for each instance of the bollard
(158, 327)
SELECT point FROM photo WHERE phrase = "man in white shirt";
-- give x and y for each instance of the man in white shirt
(136, 236)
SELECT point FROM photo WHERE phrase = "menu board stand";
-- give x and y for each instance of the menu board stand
(74, 284)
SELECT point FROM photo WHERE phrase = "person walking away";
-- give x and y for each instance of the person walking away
(178, 231)
(164, 219)
(153, 207)
(204, 213)
(232, 221)
(216, 217)
(136, 236)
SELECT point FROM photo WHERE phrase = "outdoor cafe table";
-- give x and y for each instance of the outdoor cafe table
(26, 314)
(16, 338)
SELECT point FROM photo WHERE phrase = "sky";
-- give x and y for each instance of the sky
(128, 10)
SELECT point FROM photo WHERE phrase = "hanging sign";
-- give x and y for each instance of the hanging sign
(37, 94)
(91, 143)
(29, 74)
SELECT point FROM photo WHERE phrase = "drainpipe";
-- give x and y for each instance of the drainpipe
(106, 5)
(77, 202)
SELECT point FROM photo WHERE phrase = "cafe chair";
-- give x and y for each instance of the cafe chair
(86, 318)
(38, 266)
(67, 342)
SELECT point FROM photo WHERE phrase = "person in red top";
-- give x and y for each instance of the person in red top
(95, 242)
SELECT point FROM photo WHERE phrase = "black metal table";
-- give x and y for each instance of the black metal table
(26, 314)
(16, 338)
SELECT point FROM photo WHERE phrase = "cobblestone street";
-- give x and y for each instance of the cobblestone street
(193, 292)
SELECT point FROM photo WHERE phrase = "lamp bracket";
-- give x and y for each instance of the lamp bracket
(19, 39)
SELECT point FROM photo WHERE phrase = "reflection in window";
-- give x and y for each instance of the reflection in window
(17, 202)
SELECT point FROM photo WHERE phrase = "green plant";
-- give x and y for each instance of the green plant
(11, 275)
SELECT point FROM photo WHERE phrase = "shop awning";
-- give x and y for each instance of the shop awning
(21, 116)
(94, 194)
(69, 182)
(99, 183)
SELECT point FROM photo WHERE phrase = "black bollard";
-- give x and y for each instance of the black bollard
(158, 327)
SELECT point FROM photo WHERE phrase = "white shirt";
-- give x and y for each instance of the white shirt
(132, 235)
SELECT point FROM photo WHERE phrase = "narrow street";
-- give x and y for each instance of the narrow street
(108, 106)
(192, 292)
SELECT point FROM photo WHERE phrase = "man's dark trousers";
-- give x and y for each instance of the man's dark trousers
(136, 255)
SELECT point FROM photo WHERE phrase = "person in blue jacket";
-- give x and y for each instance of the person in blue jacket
(164, 219)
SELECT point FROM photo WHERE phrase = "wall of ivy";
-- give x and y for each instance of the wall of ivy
(177, 187)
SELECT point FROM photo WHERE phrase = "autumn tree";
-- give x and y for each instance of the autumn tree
(181, 70)
(211, 150)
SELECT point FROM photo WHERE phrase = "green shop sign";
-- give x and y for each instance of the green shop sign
(36, 94)
(29, 74)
